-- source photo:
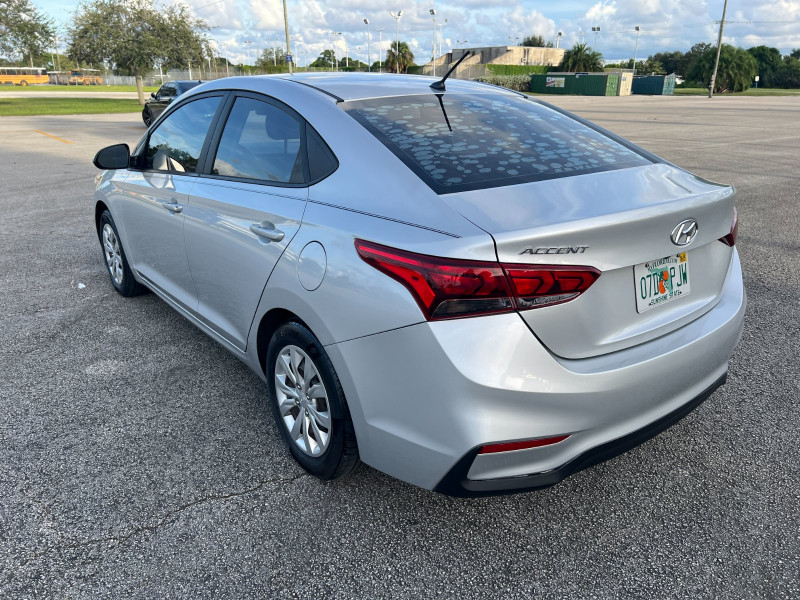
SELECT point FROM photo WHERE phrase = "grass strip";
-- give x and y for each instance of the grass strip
(23, 107)
(750, 92)
(75, 88)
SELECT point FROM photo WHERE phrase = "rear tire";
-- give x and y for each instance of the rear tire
(309, 404)
(116, 262)
(23, 83)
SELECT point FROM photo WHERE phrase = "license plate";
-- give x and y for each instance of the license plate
(661, 281)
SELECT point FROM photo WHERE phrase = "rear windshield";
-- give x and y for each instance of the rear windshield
(457, 142)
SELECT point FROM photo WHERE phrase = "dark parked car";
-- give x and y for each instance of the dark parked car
(163, 97)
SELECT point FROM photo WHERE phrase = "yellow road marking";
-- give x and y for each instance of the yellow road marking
(55, 137)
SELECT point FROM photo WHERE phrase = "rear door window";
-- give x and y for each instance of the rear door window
(260, 141)
(458, 142)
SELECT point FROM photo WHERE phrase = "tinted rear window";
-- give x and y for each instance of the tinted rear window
(491, 140)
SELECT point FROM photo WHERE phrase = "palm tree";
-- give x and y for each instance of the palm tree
(737, 68)
(406, 58)
(581, 58)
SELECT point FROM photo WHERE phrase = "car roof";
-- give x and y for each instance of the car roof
(359, 86)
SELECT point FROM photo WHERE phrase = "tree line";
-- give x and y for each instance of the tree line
(738, 67)
(136, 36)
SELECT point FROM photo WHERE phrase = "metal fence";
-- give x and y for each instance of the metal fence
(156, 79)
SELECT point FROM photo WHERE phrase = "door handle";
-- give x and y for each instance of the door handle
(267, 230)
(172, 206)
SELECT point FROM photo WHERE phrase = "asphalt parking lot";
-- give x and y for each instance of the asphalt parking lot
(139, 460)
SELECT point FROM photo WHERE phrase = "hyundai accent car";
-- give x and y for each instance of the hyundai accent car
(459, 285)
(165, 95)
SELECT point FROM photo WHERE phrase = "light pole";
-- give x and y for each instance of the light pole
(719, 47)
(247, 43)
(335, 62)
(635, 50)
(380, 50)
(369, 64)
(433, 51)
(558, 38)
(596, 31)
(441, 35)
(396, 18)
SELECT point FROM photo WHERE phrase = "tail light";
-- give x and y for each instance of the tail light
(730, 239)
(447, 288)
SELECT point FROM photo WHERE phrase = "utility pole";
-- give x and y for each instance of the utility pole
(288, 47)
(635, 50)
(719, 48)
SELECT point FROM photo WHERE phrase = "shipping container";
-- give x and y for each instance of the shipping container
(582, 84)
(654, 85)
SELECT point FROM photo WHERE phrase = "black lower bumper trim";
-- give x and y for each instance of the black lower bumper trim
(456, 483)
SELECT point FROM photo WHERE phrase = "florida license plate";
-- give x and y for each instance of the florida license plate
(661, 281)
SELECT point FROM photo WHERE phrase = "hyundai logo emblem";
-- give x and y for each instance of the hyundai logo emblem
(684, 232)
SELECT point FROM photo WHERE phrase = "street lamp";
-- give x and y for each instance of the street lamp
(635, 50)
(335, 62)
(433, 46)
(369, 64)
(380, 49)
(396, 18)
(247, 43)
(558, 37)
(596, 31)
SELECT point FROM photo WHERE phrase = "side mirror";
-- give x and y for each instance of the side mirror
(117, 156)
(153, 95)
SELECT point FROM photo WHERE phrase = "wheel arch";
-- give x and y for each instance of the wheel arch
(269, 323)
(99, 208)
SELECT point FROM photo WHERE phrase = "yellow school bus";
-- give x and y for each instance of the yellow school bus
(23, 76)
(85, 77)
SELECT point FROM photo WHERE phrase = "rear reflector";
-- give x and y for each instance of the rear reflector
(508, 447)
(448, 288)
(730, 239)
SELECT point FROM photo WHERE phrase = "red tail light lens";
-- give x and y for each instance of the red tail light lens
(444, 288)
(508, 447)
(730, 239)
(545, 286)
(447, 288)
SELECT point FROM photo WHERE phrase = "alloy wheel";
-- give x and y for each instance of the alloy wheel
(112, 250)
(302, 401)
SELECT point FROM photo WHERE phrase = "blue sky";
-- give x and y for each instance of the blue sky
(664, 24)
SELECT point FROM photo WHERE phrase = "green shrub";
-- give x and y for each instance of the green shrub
(519, 83)
(518, 69)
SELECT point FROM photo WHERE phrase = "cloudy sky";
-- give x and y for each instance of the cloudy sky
(665, 24)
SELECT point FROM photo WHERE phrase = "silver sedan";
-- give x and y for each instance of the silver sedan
(459, 285)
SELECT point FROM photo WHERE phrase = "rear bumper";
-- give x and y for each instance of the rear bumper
(424, 398)
(457, 483)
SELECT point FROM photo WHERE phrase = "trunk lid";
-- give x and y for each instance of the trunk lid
(611, 221)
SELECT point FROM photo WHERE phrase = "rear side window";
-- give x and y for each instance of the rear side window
(177, 142)
(260, 141)
(458, 143)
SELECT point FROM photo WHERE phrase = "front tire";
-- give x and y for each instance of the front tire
(309, 404)
(147, 117)
(116, 262)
